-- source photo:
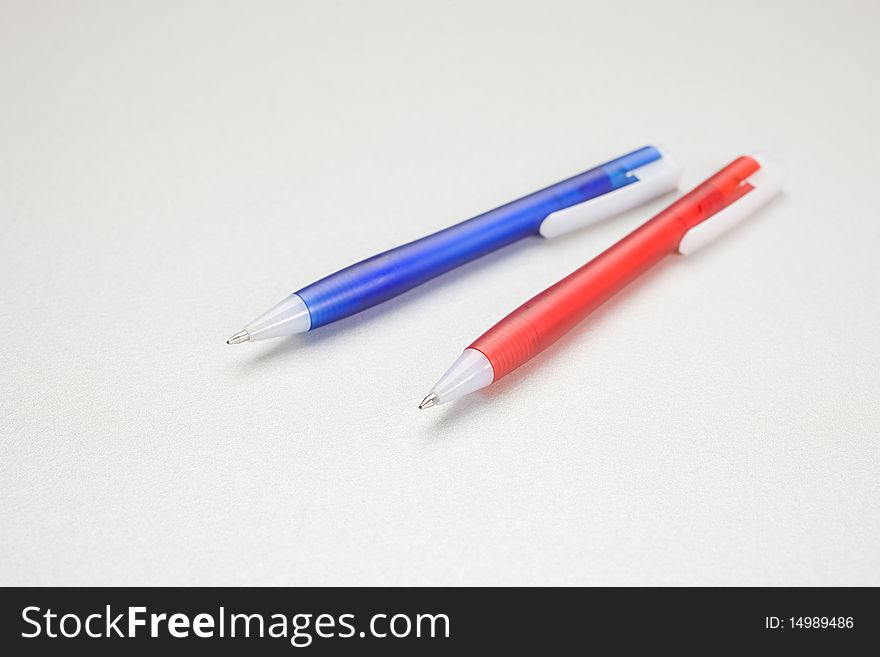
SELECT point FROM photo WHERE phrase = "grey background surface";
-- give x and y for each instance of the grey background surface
(168, 170)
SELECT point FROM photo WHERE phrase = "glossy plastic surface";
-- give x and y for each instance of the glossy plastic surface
(393, 272)
(542, 320)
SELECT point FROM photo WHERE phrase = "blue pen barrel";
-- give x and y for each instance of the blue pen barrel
(393, 272)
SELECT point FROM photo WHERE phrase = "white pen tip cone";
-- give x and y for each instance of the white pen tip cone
(469, 373)
(289, 317)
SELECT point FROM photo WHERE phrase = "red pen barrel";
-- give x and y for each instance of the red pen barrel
(545, 318)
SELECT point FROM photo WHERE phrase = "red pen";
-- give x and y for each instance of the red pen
(709, 210)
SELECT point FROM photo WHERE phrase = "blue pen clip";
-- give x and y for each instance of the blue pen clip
(636, 178)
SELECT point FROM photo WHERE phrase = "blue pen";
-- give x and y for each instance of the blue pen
(591, 196)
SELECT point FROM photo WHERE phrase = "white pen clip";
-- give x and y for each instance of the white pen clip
(652, 180)
(765, 182)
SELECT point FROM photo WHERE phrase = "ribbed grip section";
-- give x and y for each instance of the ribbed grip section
(393, 272)
(508, 344)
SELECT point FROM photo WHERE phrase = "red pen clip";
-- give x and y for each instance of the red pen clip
(727, 198)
